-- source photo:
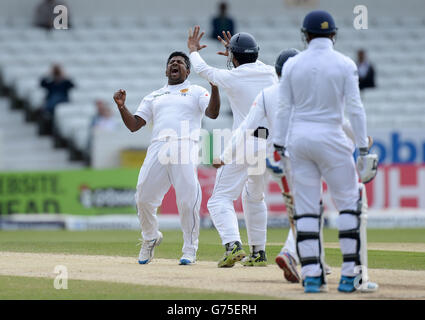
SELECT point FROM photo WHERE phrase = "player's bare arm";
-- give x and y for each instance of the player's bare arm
(132, 122)
(213, 109)
(193, 41)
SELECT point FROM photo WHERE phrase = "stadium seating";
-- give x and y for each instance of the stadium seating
(104, 54)
(22, 149)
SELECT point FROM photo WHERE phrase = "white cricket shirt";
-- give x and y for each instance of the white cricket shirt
(241, 84)
(175, 111)
(319, 84)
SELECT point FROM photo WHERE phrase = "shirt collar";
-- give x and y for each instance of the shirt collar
(251, 64)
(179, 86)
(320, 43)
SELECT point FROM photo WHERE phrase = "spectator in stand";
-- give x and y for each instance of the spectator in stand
(366, 71)
(104, 118)
(44, 15)
(57, 86)
(222, 22)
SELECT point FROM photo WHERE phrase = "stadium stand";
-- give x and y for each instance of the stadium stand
(22, 149)
(103, 54)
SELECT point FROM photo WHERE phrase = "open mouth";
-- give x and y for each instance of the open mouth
(174, 71)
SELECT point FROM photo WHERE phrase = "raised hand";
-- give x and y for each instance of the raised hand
(119, 97)
(193, 41)
(226, 42)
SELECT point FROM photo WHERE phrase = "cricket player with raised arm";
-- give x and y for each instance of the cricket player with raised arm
(176, 111)
(241, 83)
(263, 111)
(319, 83)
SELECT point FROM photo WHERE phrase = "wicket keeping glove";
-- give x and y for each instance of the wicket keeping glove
(367, 165)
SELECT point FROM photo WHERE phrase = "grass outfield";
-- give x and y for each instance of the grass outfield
(28, 288)
(124, 243)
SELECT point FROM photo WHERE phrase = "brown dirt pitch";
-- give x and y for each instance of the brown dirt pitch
(267, 281)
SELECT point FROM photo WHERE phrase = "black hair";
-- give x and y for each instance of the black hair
(180, 54)
(316, 35)
(245, 57)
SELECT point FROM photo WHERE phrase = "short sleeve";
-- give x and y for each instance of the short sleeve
(144, 110)
(203, 99)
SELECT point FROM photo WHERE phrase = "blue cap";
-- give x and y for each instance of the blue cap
(319, 22)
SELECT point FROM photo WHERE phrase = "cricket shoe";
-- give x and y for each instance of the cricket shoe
(256, 259)
(289, 266)
(347, 284)
(232, 255)
(350, 284)
(148, 247)
(187, 260)
(314, 285)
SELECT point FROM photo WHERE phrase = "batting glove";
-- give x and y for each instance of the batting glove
(279, 149)
(275, 168)
(276, 165)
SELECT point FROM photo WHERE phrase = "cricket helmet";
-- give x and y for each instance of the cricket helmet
(243, 42)
(319, 22)
(283, 57)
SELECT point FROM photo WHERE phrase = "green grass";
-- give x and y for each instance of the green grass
(124, 243)
(384, 235)
(381, 259)
(27, 288)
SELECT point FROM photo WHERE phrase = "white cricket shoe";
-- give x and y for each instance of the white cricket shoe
(187, 260)
(350, 284)
(148, 247)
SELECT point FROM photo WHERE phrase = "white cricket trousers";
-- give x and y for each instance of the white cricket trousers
(231, 180)
(153, 183)
(319, 150)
